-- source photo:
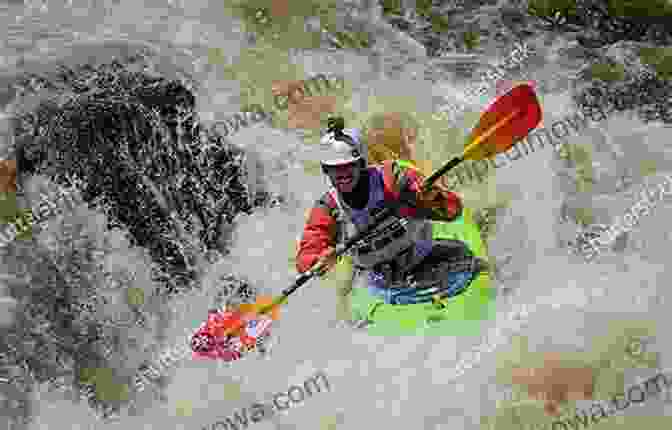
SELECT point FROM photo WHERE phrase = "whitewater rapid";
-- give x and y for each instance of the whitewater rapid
(383, 382)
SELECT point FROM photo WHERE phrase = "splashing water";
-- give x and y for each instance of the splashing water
(371, 376)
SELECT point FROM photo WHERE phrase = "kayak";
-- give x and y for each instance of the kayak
(462, 314)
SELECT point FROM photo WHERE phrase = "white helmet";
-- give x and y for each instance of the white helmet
(341, 146)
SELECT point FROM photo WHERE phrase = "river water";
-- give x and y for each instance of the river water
(382, 382)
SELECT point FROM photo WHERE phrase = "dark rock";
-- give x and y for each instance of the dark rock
(130, 136)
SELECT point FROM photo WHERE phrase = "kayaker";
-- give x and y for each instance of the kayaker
(397, 260)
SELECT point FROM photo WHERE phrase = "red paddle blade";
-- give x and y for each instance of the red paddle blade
(232, 326)
(509, 119)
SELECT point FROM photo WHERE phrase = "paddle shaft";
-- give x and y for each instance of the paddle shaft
(442, 171)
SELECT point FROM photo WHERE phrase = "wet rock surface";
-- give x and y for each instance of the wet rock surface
(166, 157)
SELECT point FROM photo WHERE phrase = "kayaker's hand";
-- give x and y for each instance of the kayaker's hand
(430, 199)
(326, 261)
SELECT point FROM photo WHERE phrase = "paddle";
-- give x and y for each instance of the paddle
(507, 120)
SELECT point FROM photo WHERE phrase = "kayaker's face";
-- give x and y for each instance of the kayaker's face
(345, 176)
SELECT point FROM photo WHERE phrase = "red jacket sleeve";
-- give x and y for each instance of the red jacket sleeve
(404, 184)
(318, 234)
